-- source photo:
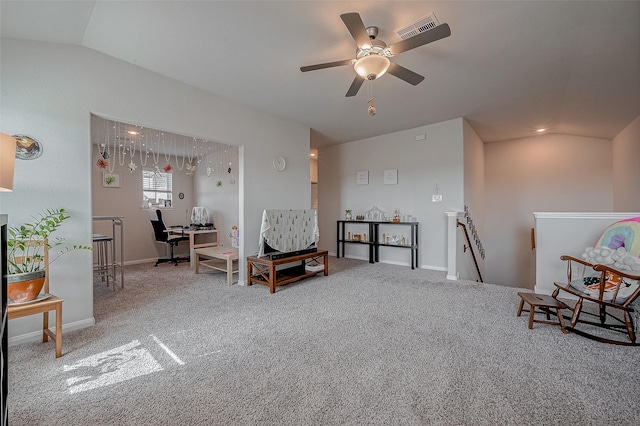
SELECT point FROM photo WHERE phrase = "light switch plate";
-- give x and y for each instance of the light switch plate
(436, 198)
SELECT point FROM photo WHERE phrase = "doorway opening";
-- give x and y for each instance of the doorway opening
(136, 168)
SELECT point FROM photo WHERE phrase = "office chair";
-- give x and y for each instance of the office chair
(163, 236)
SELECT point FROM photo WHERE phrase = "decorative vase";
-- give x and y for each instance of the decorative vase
(25, 287)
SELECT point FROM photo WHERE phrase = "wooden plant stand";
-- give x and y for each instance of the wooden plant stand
(262, 270)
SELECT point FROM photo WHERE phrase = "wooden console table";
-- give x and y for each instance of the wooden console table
(374, 240)
(262, 270)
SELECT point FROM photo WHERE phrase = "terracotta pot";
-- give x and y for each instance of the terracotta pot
(25, 287)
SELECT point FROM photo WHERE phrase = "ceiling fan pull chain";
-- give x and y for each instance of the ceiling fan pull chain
(372, 108)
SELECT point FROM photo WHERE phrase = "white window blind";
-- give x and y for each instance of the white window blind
(156, 186)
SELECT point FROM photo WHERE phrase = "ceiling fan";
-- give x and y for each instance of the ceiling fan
(372, 55)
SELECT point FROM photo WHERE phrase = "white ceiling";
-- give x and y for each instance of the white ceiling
(509, 67)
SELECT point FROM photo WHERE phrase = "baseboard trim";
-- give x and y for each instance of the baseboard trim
(434, 268)
(393, 262)
(140, 261)
(37, 335)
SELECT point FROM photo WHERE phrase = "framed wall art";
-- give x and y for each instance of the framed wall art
(390, 177)
(110, 180)
(362, 177)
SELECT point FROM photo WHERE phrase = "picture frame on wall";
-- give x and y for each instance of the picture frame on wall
(110, 180)
(390, 177)
(362, 177)
(167, 203)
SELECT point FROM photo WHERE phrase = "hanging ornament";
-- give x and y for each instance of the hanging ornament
(219, 183)
(184, 144)
(132, 166)
(372, 108)
(105, 155)
(167, 168)
(102, 163)
(209, 171)
(190, 169)
(156, 171)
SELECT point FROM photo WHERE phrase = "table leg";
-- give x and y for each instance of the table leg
(520, 307)
(192, 250)
(229, 270)
(249, 270)
(532, 312)
(272, 279)
(561, 320)
(326, 265)
(59, 330)
(45, 326)
(197, 259)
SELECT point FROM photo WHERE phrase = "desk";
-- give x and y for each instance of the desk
(192, 240)
(116, 221)
(226, 254)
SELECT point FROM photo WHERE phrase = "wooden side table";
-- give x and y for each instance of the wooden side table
(53, 303)
(225, 254)
(543, 302)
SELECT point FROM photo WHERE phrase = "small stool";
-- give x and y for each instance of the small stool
(545, 303)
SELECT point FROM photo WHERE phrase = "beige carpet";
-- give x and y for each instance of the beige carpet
(369, 344)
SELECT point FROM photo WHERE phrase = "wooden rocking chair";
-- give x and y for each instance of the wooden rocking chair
(611, 290)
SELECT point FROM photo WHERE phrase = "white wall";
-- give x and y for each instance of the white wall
(221, 201)
(126, 201)
(553, 173)
(626, 169)
(566, 233)
(423, 164)
(48, 91)
(474, 196)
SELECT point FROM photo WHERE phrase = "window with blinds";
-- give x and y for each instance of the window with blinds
(157, 187)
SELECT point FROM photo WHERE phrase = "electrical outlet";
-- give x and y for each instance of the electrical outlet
(436, 198)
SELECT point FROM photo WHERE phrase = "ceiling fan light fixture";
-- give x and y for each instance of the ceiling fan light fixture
(372, 65)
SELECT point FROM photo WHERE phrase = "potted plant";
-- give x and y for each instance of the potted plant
(25, 254)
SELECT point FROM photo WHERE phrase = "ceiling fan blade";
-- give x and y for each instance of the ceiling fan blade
(434, 34)
(326, 65)
(355, 86)
(356, 27)
(405, 74)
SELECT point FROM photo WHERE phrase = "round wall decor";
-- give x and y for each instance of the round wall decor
(27, 148)
(279, 163)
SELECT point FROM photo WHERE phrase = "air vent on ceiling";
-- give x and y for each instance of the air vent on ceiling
(420, 26)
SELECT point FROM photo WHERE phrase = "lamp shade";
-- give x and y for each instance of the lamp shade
(372, 65)
(7, 160)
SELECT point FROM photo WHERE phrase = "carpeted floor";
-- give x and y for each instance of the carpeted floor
(368, 344)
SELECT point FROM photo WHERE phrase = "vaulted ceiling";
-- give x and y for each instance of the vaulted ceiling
(509, 67)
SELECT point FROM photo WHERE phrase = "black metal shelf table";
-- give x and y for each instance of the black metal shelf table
(374, 242)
